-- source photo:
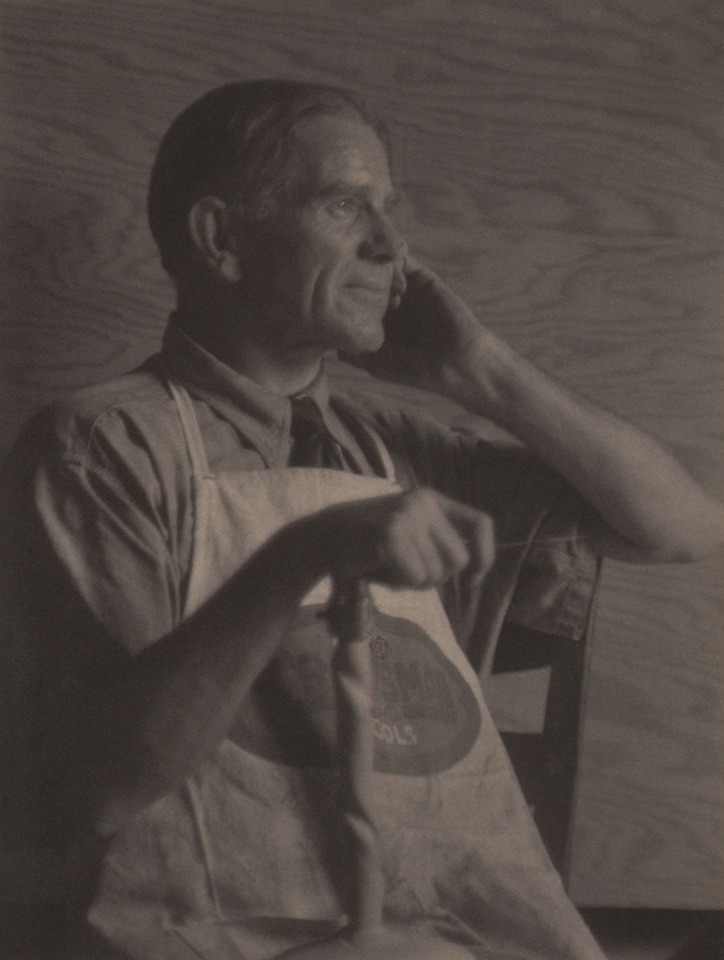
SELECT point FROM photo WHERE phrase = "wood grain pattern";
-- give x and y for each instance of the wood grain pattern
(652, 750)
(564, 165)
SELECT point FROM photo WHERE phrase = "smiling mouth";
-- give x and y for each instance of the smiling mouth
(370, 288)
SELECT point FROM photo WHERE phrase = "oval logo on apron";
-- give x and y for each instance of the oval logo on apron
(425, 716)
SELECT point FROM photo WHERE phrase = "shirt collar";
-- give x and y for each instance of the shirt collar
(261, 417)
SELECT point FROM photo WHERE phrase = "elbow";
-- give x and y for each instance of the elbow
(702, 549)
(691, 547)
(705, 537)
(125, 793)
(682, 554)
(696, 534)
(680, 550)
(89, 803)
(106, 791)
(118, 808)
(112, 815)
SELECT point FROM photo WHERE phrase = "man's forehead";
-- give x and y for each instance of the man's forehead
(332, 149)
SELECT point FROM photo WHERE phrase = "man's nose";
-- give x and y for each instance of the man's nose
(384, 242)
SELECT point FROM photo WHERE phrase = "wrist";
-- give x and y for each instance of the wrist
(295, 558)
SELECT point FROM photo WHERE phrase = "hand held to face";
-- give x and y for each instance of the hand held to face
(429, 331)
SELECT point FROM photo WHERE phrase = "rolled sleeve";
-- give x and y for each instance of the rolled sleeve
(114, 556)
(558, 574)
(97, 534)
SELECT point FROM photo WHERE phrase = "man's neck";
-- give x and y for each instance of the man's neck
(285, 376)
(281, 372)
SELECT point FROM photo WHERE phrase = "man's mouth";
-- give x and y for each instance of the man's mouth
(371, 287)
(369, 291)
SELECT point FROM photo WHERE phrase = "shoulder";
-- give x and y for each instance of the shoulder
(460, 454)
(122, 438)
(397, 422)
(433, 428)
(130, 411)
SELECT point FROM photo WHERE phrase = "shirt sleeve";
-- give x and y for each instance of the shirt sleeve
(96, 539)
(558, 575)
(87, 577)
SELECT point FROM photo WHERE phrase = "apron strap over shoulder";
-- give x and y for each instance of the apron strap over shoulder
(191, 430)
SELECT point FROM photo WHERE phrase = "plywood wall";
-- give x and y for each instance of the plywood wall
(564, 162)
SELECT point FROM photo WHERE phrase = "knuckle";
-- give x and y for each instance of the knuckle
(486, 526)
(396, 528)
(486, 540)
(417, 578)
(462, 557)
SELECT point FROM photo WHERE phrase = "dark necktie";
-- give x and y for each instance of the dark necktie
(312, 444)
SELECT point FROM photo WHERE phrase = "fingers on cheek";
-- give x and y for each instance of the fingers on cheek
(399, 286)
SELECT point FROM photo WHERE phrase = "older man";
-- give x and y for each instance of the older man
(179, 527)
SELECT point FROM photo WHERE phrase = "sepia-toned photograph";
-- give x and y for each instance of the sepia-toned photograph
(362, 480)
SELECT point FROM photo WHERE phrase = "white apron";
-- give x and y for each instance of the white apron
(246, 859)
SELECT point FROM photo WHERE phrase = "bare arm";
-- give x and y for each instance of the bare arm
(171, 705)
(645, 506)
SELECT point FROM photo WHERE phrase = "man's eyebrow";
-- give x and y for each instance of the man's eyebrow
(334, 189)
(341, 186)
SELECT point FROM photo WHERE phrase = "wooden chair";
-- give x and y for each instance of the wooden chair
(535, 694)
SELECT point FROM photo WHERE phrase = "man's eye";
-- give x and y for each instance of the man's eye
(345, 206)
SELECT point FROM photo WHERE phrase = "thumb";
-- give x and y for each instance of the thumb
(477, 530)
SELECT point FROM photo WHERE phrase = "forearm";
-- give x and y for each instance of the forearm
(155, 723)
(173, 704)
(653, 507)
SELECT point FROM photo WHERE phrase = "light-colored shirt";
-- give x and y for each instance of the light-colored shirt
(101, 519)
(97, 524)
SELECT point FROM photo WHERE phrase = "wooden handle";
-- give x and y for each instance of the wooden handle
(350, 616)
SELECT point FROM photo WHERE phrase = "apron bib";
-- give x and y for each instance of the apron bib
(247, 859)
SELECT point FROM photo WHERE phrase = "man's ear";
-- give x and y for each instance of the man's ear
(210, 222)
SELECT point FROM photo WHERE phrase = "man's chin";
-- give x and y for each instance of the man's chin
(362, 338)
(362, 347)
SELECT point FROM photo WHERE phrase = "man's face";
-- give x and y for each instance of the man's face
(320, 270)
